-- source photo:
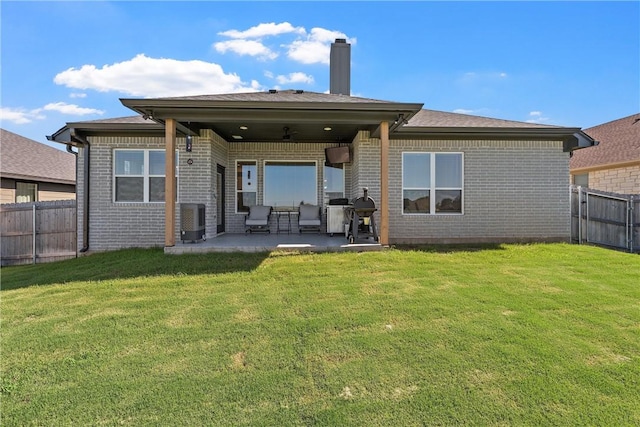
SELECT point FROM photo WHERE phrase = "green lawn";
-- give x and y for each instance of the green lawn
(493, 335)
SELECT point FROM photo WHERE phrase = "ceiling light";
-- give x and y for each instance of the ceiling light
(243, 128)
(327, 128)
(236, 136)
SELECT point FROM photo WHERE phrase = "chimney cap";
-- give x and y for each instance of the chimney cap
(341, 40)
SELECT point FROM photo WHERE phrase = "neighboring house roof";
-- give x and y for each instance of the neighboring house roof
(619, 144)
(24, 158)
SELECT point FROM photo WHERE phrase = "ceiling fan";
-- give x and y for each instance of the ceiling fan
(287, 136)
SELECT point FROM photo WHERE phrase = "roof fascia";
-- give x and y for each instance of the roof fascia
(614, 165)
(21, 177)
(572, 138)
(337, 112)
(67, 134)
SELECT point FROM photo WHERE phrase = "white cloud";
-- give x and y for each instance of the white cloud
(246, 47)
(477, 112)
(537, 117)
(481, 77)
(20, 116)
(315, 47)
(77, 95)
(463, 111)
(155, 77)
(263, 30)
(308, 47)
(71, 109)
(295, 78)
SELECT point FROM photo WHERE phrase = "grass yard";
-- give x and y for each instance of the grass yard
(495, 335)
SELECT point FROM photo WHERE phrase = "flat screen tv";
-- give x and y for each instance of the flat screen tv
(336, 155)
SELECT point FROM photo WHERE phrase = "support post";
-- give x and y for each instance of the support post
(384, 183)
(170, 183)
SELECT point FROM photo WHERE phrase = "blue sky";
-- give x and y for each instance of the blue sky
(560, 63)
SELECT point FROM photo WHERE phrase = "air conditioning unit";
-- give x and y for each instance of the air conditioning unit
(192, 221)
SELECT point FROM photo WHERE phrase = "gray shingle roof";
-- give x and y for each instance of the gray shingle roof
(432, 118)
(278, 96)
(123, 120)
(619, 142)
(24, 158)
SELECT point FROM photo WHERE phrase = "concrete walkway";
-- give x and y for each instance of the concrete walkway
(263, 242)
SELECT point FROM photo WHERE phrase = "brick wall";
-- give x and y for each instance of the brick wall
(273, 151)
(625, 180)
(513, 191)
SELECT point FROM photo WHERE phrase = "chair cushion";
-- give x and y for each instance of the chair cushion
(259, 212)
(309, 212)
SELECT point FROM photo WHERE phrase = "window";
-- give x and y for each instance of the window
(246, 184)
(26, 192)
(290, 183)
(581, 180)
(139, 175)
(432, 183)
(333, 181)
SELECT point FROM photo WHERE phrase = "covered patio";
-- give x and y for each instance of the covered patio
(253, 242)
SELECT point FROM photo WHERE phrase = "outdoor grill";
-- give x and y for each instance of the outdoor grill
(360, 218)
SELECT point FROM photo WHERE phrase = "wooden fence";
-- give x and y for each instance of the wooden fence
(38, 232)
(605, 219)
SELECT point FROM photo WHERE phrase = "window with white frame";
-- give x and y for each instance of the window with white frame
(246, 184)
(139, 175)
(290, 183)
(432, 183)
(26, 192)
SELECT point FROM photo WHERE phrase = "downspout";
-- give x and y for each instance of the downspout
(70, 150)
(85, 200)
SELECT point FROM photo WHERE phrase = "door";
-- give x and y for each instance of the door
(220, 200)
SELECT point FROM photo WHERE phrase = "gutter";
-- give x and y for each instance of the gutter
(73, 135)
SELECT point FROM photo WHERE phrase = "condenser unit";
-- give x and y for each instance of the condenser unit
(192, 221)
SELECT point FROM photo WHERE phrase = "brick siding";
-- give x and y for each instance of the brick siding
(625, 180)
(513, 190)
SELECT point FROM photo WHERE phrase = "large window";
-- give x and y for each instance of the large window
(432, 183)
(333, 181)
(26, 192)
(246, 184)
(139, 175)
(290, 183)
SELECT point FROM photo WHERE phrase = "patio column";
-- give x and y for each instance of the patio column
(170, 183)
(384, 183)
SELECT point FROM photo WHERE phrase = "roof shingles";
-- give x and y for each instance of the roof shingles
(24, 158)
(619, 142)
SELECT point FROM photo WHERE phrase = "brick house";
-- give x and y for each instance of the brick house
(614, 164)
(435, 176)
(34, 172)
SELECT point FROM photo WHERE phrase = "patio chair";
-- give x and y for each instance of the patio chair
(258, 219)
(309, 218)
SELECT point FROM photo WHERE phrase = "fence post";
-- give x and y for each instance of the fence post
(34, 234)
(579, 215)
(630, 224)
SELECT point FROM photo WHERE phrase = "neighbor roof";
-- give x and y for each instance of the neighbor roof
(619, 143)
(24, 158)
